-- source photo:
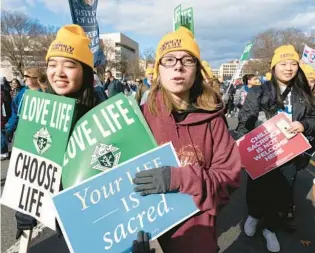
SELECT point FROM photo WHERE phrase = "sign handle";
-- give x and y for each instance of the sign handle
(25, 241)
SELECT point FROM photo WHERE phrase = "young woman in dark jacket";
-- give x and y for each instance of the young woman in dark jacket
(269, 197)
(70, 74)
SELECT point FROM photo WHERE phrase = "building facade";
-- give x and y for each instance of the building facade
(117, 47)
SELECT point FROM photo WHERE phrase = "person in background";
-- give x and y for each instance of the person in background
(184, 109)
(5, 106)
(43, 82)
(112, 85)
(15, 87)
(309, 72)
(287, 92)
(148, 77)
(6, 85)
(99, 91)
(249, 81)
(142, 88)
(31, 76)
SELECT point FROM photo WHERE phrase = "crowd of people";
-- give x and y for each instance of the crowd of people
(183, 103)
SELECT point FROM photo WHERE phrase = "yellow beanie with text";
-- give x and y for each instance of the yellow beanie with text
(180, 40)
(71, 42)
(286, 52)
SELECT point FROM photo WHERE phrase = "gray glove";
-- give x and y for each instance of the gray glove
(153, 181)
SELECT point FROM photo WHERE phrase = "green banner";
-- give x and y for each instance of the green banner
(184, 18)
(246, 54)
(177, 17)
(44, 125)
(113, 132)
(188, 19)
(41, 138)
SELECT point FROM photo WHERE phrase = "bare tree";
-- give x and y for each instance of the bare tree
(257, 66)
(24, 41)
(110, 53)
(148, 56)
(265, 43)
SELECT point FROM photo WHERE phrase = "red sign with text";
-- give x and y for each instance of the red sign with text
(270, 145)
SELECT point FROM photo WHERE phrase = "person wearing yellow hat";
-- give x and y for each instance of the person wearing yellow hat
(184, 109)
(286, 92)
(148, 77)
(309, 72)
(70, 67)
(69, 73)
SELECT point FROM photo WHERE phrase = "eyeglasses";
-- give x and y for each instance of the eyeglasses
(171, 61)
(27, 76)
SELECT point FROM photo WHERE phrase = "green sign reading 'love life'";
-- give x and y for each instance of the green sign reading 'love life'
(41, 138)
(111, 133)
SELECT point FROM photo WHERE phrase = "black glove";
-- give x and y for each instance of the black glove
(8, 136)
(24, 222)
(142, 244)
(153, 181)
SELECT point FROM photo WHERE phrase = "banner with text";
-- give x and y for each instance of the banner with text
(184, 18)
(268, 146)
(308, 56)
(104, 213)
(40, 141)
(83, 13)
(109, 134)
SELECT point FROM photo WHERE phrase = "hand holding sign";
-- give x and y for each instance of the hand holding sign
(296, 127)
(153, 181)
(142, 244)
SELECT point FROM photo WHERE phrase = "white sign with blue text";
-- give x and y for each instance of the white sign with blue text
(104, 214)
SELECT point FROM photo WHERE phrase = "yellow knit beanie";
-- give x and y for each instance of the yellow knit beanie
(308, 71)
(180, 40)
(286, 52)
(71, 42)
(149, 71)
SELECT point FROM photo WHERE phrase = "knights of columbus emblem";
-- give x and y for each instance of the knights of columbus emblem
(42, 140)
(105, 157)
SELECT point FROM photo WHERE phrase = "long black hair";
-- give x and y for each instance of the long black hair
(300, 85)
(85, 95)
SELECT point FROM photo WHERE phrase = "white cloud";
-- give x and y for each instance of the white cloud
(223, 27)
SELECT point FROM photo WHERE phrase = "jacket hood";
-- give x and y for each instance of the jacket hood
(195, 115)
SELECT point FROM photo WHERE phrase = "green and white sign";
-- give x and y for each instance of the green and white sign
(113, 132)
(177, 17)
(184, 18)
(246, 53)
(40, 141)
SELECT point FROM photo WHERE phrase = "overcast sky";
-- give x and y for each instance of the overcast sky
(222, 27)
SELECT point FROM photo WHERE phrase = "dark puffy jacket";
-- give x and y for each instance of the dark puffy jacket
(114, 88)
(263, 99)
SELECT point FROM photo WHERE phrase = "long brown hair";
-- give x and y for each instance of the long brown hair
(202, 94)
